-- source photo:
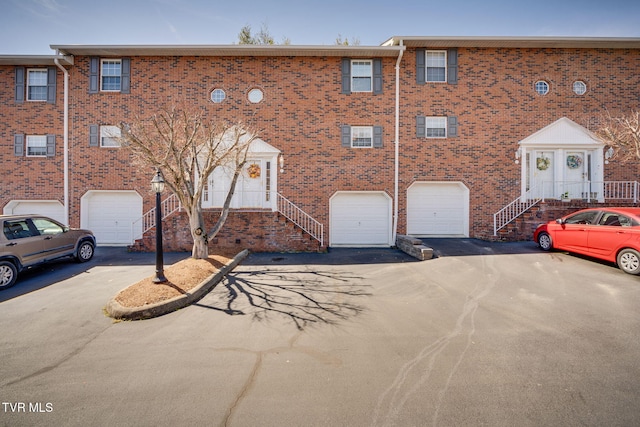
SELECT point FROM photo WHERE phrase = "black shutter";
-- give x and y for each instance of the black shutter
(346, 75)
(452, 66)
(345, 135)
(94, 140)
(377, 76)
(18, 144)
(125, 80)
(421, 126)
(20, 83)
(51, 145)
(452, 126)
(94, 74)
(51, 85)
(421, 67)
(377, 136)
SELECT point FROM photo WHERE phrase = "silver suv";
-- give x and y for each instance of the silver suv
(28, 240)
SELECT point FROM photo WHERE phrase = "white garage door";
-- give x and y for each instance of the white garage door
(438, 209)
(51, 208)
(360, 219)
(110, 215)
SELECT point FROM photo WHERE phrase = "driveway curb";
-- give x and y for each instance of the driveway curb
(118, 311)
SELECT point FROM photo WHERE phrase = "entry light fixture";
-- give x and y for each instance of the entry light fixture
(518, 154)
(608, 155)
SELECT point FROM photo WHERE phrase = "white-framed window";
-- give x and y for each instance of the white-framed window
(218, 95)
(361, 136)
(436, 62)
(36, 145)
(542, 87)
(579, 87)
(436, 127)
(111, 75)
(109, 136)
(37, 85)
(361, 75)
(255, 95)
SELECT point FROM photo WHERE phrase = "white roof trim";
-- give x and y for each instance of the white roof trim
(562, 133)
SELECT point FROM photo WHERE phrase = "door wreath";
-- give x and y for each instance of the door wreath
(542, 163)
(574, 161)
(253, 170)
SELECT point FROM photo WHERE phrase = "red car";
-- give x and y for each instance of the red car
(610, 234)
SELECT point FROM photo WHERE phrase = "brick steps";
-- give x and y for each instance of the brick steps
(522, 228)
(258, 231)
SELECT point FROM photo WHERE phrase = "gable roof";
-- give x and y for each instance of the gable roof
(562, 132)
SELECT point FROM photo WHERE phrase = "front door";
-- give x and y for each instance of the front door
(575, 175)
(251, 185)
(250, 191)
(542, 167)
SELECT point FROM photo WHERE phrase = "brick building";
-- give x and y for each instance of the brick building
(421, 135)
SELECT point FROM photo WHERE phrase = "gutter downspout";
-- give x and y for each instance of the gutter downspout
(66, 139)
(397, 144)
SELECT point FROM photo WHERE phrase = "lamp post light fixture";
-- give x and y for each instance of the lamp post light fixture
(157, 185)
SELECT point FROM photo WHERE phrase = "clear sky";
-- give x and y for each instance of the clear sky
(30, 26)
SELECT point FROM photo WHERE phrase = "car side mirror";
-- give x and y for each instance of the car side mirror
(560, 221)
(65, 229)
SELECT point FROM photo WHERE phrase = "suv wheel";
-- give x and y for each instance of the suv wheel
(85, 252)
(8, 274)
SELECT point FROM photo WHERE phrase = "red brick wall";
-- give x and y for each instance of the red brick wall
(29, 177)
(301, 115)
(497, 107)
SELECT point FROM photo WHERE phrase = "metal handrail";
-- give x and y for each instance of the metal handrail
(513, 210)
(169, 205)
(300, 218)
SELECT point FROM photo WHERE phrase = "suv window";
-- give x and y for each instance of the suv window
(17, 230)
(46, 227)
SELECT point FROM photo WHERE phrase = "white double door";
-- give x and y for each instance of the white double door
(560, 173)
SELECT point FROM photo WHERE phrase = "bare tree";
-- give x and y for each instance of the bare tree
(263, 37)
(187, 147)
(622, 134)
(345, 42)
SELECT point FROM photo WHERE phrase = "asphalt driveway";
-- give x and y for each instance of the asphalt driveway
(484, 334)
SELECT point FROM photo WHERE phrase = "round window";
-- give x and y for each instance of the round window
(255, 96)
(542, 87)
(218, 95)
(579, 88)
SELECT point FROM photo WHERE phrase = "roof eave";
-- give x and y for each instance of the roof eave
(228, 50)
(515, 42)
(38, 60)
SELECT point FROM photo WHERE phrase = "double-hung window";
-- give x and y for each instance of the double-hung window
(436, 65)
(111, 75)
(361, 75)
(109, 136)
(361, 136)
(36, 145)
(37, 85)
(436, 127)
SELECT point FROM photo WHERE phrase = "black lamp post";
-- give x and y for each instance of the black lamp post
(157, 185)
